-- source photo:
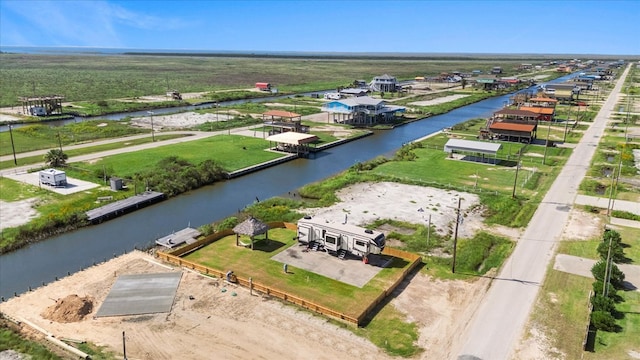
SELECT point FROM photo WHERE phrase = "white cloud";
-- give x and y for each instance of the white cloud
(76, 23)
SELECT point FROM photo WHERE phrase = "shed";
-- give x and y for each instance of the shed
(250, 227)
(469, 146)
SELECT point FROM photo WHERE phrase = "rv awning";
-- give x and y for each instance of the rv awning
(471, 146)
(292, 138)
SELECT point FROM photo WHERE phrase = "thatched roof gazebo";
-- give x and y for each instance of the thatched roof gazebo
(250, 227)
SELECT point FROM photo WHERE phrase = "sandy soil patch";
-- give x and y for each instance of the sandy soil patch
(179, 121)
(364, 203)
(8, 118)
(204, 320)
(582, 225)
(16, 213)
(440, 100)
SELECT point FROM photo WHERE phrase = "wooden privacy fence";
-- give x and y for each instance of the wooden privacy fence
(174, 257)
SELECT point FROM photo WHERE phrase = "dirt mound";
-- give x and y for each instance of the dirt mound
(70, 309)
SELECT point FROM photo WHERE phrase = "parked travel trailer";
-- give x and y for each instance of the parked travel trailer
(53, 177)
(340, 238)
(332, 96)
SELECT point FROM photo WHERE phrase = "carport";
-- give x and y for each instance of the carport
(293, 142)
(472, 147)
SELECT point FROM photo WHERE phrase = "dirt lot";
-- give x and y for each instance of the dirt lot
(235, 325)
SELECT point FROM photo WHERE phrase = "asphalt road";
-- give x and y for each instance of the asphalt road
(498, 325)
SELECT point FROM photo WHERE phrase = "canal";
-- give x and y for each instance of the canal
(45, 261)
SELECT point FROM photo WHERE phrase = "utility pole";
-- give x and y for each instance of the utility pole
(626, 121)
(566, 123)
(455, 237)
(605, 281)
(613, 178)
(515, 180)
(153, 135)
(13, 147)
(124, 347)
(546, 145)
(428, 229)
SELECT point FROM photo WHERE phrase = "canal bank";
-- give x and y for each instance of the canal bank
(43, 261)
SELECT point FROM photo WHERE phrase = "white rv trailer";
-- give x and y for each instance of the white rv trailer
(336, 237)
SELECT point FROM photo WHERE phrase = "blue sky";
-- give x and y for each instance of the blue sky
(543, 27)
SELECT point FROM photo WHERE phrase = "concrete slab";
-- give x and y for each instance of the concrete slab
(73, 185)
(582, 266)
(141, 294)
(350, 271)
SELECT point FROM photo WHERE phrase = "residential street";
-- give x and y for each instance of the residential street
(498, 324)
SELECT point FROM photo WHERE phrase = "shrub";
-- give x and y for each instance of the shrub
(616, 277)
(602, 303)
(227, 223)
(603, 320)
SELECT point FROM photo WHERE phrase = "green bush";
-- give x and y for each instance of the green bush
(603, 320)
(228, 223)
(616, 277)
(601, 303)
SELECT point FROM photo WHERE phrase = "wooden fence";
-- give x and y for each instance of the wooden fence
(175, 257)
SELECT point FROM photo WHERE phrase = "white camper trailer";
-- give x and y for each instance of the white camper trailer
(53, 177)
(340, 238)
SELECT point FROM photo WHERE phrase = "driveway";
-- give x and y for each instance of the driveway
(582, 266)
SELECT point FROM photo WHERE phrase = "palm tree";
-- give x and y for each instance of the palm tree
(55, 158)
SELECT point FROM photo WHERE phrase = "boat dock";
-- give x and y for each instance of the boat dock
(121, 207)
(187, 235)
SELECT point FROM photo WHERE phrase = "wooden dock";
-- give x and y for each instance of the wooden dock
(121, 207)
(187, 235)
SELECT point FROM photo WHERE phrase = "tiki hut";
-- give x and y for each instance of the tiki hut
(250, 227)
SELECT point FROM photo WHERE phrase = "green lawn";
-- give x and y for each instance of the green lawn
(232, 152)
(43, 136)
(225, 255)
(87, 150)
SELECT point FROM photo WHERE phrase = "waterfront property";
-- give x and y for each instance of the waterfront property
(283, 121)
(544, 113)
(384, 83)
(293, 142)
(363, 110)
(513, 131)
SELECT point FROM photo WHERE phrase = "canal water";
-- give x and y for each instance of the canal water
(45, 261)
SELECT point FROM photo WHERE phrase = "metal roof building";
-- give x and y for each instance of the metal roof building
(473, 147)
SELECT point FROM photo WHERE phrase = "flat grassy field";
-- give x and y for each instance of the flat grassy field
(38, 137)
(232, 152)
(86, 150)
(97, 78)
